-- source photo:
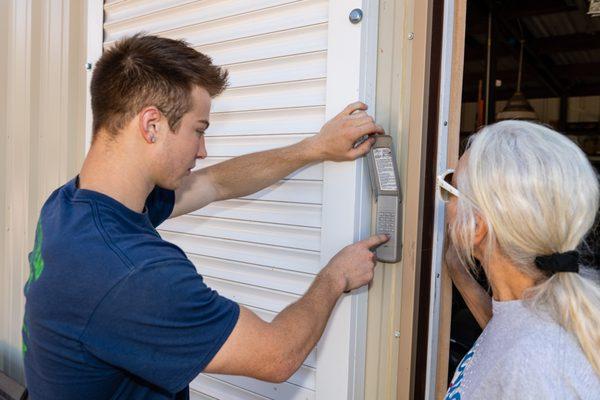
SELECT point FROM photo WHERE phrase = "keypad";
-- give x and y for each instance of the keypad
(386, 222)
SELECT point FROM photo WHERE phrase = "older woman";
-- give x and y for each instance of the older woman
(521, 201)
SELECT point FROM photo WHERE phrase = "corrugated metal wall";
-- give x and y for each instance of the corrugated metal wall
(42, 133)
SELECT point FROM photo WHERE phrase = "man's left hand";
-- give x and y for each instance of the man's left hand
(335, 141)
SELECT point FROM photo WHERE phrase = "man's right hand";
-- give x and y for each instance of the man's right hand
(274, 351)
(352, 267)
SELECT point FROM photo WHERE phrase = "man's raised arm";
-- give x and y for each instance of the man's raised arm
(250, 173)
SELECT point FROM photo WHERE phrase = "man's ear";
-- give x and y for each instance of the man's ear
(481, 230)
(149, 121)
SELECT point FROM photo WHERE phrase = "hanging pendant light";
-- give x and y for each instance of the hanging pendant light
(518, 107)
(594, 8)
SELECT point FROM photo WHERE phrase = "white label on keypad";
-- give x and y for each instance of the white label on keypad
(385, 168)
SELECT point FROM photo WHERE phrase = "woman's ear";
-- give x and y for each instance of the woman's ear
(481, 231)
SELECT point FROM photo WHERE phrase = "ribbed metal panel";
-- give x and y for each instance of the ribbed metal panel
(263, 250)
(42, 120)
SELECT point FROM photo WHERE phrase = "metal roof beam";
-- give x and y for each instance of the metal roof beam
(531, 56)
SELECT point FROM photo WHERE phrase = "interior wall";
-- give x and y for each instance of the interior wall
(580, 109)
(42, 125)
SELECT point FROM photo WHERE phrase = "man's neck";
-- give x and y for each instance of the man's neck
(109, 170)
(506, 279)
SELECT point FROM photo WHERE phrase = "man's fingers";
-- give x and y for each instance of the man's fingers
(367, 129)
(350, 108)
(375, 240)
(363, 120)
(360, 114)
(362, 149)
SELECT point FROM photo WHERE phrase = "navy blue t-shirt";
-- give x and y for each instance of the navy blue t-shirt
(113, 311)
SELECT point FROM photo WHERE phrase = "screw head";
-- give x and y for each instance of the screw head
(396, 334)
(88, 66)
(411, 35)
(356, 16)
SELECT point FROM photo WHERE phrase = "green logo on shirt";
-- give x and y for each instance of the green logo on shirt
(36, 267)
(25, 332)
(36, 262)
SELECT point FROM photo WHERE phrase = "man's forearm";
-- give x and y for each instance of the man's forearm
(241, 176)
(247, 174)
(302, 323)
(250, 173)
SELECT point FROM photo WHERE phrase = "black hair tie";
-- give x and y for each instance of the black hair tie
(559, 262)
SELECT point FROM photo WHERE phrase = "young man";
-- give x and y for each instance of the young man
(113, 311)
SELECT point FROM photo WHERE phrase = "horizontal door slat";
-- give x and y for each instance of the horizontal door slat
(270, 256)
(287, 281)
(255, 296)
(275, 391)
(305, 377)
(266, 122)
(222, 390)
(195, 395)
(305, 39)
(293, 191)
(284, 69)
(276, 96)
(265, 211)
(248, 231)
(120, 10)
(231, 146)
(168, 15)
(272, 19)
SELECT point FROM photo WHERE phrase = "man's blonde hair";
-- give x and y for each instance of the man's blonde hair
(141, 71)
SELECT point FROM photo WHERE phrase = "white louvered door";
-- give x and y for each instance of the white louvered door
(293, 65)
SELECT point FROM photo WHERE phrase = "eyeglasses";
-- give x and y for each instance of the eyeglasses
(445, 187)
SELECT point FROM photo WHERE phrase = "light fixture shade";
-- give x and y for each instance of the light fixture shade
(594, 8)
(517, 108)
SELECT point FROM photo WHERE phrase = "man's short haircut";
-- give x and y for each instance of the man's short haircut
(141, 71)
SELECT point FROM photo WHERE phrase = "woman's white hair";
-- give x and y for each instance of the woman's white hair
(538, 194)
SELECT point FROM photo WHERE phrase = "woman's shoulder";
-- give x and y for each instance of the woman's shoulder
(544, 354)
(539, 336)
